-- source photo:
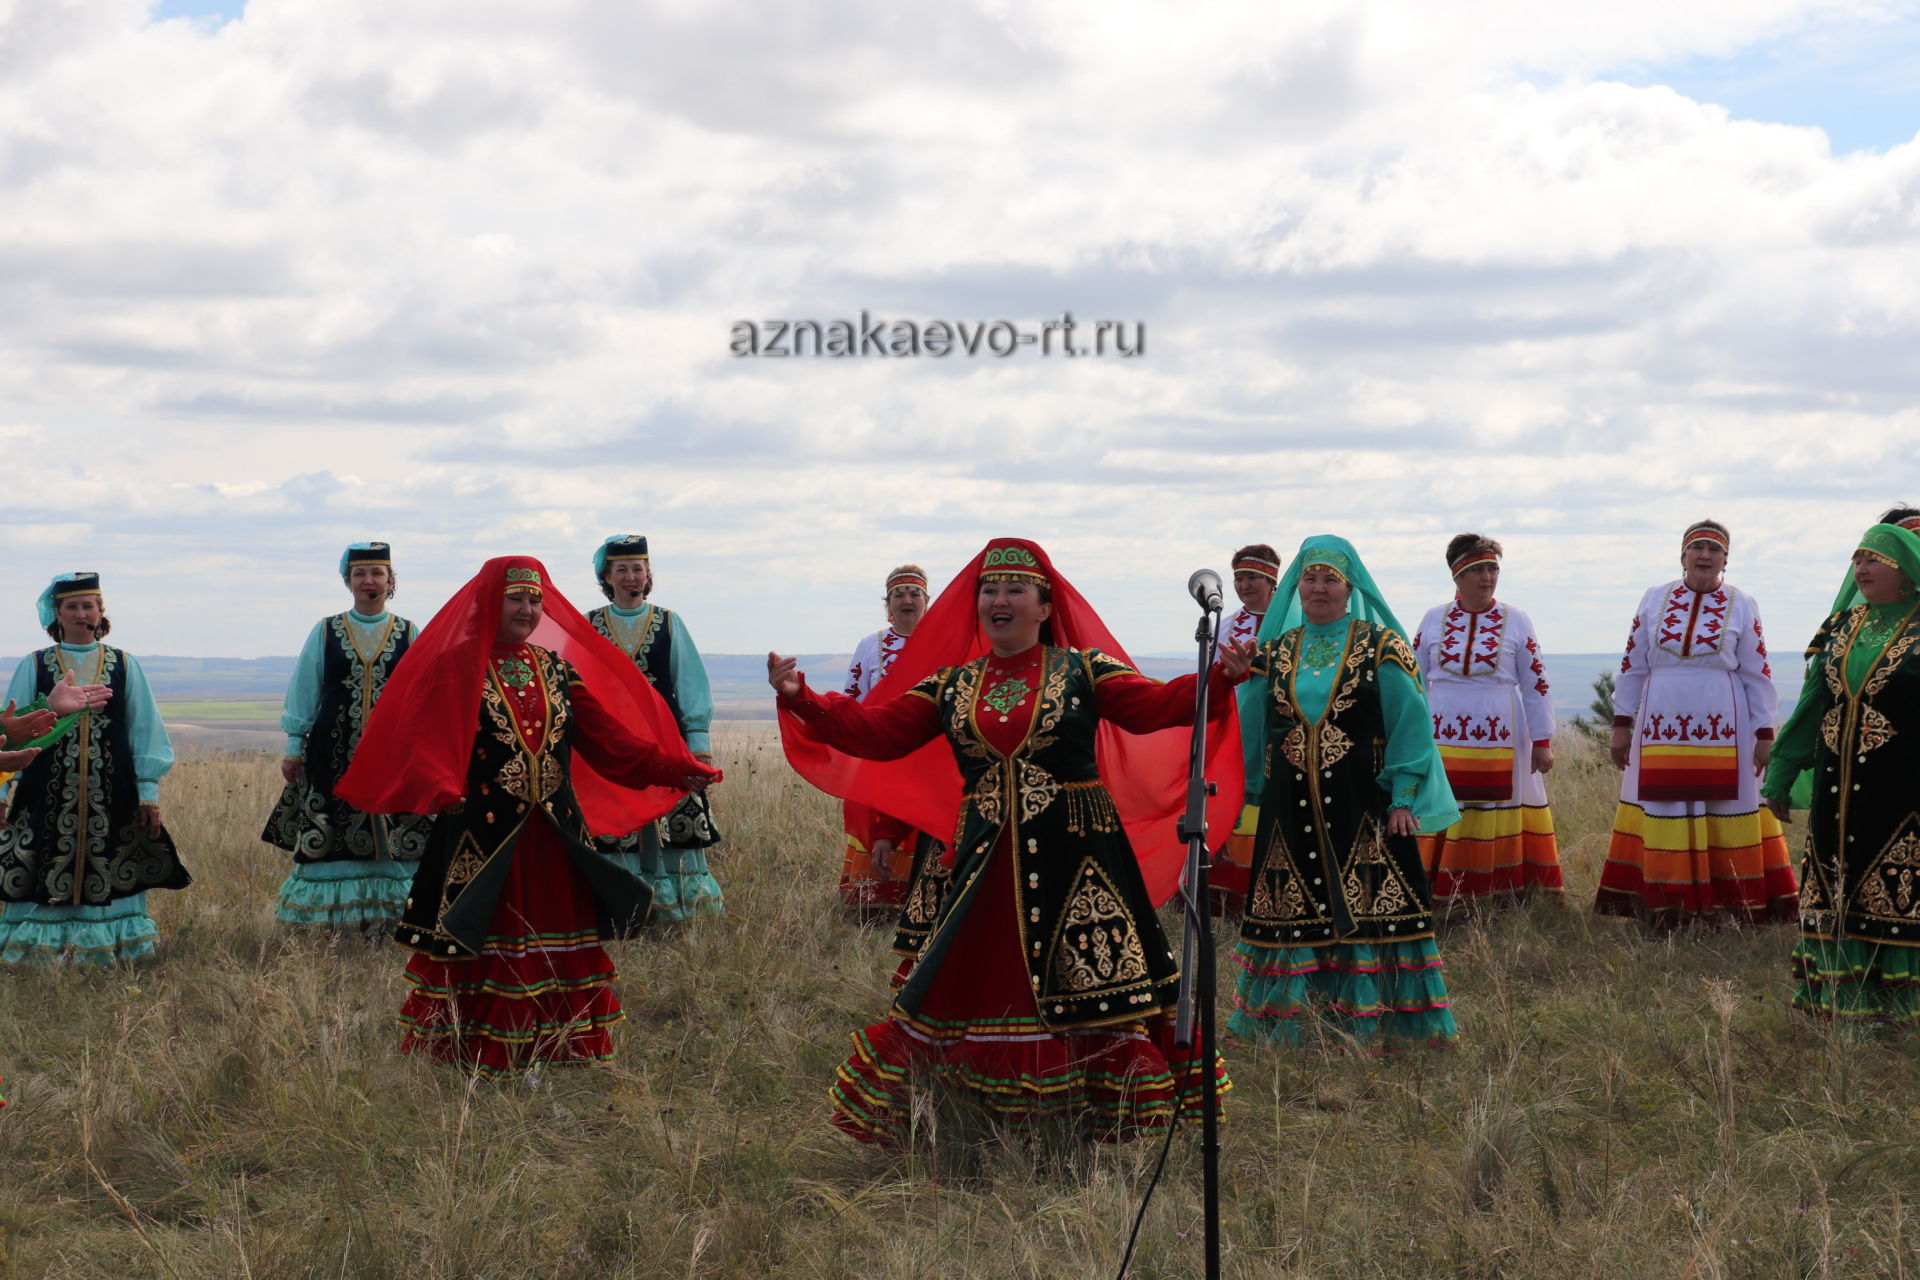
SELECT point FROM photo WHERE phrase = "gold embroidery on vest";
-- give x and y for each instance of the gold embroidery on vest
(1097, 943)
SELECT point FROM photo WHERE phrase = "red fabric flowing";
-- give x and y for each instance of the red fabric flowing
(413, 755)
(1146, 773)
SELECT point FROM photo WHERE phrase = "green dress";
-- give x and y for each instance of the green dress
(1339, 916)
(1856, 733)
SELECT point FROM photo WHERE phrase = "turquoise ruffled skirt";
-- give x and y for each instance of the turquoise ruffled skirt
(345, 893)
(682, 886)
(112, 933)
(1373, 996)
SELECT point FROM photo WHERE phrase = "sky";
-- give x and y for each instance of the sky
(279, 276)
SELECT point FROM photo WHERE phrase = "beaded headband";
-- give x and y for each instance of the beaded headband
(1254, 564)
(522, 581)
(1334, 560)
(1705, 533)
(1468, 559)
(907, 580)
(1911, 523)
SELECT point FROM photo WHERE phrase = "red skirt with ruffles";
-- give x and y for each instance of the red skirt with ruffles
(978, 1036)
(539, 992)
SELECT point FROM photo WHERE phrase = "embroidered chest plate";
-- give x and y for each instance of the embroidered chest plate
(1693, 624)
(1470, 642)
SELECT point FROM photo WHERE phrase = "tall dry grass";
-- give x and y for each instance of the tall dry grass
(1620, 1105)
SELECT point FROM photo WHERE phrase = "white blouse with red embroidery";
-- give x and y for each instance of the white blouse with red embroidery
(1695, 672)
(1487, 686)
(872, 658)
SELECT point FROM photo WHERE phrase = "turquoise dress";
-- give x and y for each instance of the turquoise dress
(1338, 927)
(349, 868)
(82, 898)
(676, 868)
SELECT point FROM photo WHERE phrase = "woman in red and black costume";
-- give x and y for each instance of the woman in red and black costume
(1036, 979)
(527, 733)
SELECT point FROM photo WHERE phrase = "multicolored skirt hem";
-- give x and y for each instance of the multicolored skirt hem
(1113, 1084)
(1372, 996)
(538, 994)
(1493, 855)
(1856, 982)
(345, 893)
(1709, 869)
(44, 935)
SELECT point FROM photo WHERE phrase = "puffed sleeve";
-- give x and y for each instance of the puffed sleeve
(690, 687)
(1631, 684)
(302, 705)
(1756, 674)
(1530, 670)
(152, 749)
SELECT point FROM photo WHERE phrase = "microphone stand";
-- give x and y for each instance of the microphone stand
(1197, 978)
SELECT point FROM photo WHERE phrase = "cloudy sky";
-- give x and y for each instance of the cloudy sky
(282, 275)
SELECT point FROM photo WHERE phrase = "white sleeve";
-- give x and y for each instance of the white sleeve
(1755, 673)
(1631, 684)
(1530, 669)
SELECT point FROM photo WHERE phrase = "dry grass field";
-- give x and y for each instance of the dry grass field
(1620, 1105)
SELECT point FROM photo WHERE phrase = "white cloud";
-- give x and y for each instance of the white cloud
(461, 276)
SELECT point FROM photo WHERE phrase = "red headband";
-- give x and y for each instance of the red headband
(907, 579)
(1911, 522)
(1705, 533)
(1253, 564)
(1468, 559)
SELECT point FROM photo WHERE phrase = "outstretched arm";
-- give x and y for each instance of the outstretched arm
(618, 754)
(872, 731)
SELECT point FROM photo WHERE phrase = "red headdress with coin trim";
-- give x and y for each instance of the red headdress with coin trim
(1145, 774)
(413, 756)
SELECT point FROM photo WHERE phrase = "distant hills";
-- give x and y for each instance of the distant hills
(739, 683)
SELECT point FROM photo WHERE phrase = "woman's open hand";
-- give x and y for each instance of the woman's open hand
(1400, 822)
(1235, 658)
(782, 675)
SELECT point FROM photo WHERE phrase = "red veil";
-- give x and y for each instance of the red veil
(413, 754)
(1147, 773)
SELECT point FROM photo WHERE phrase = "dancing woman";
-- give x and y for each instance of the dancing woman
(525, 732)
(1037, 981)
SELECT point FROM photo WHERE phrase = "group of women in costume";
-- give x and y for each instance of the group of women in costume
(1010, 785)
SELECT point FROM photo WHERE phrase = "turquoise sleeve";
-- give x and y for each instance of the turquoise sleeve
(302, 705)
(691, 689)
(1413, 777)
(152, 749)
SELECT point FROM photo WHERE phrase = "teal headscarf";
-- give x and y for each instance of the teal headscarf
(1887, 542)
(1435, 809)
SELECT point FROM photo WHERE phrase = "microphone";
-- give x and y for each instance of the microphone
(1204, 587)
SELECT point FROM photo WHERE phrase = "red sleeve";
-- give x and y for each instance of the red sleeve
(1139, 704)
(620, 755)
(872, 731)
